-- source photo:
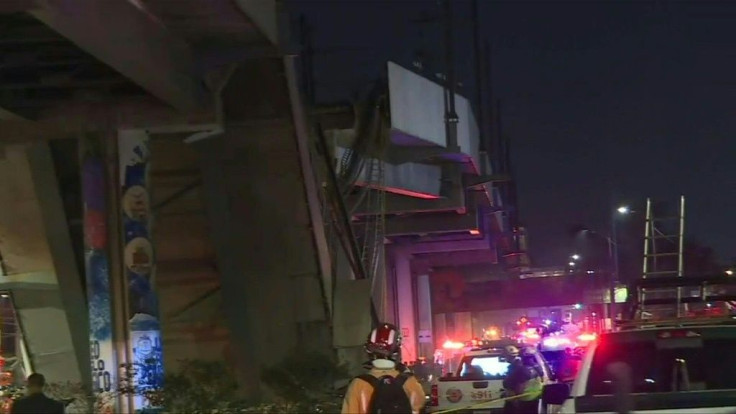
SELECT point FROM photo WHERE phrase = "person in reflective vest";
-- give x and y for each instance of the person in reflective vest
(523, 385)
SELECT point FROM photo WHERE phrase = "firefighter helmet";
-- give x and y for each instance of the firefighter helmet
(384, 342)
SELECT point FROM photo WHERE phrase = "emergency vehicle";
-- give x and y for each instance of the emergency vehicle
(563, 348)
(658, 363)
(479, 377)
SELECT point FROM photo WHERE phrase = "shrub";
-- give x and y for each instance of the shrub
(300, 383)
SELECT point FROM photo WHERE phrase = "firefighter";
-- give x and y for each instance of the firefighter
(523, 385)
(388, 386)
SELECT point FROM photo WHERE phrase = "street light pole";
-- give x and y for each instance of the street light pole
(614, 243)
(613, 251)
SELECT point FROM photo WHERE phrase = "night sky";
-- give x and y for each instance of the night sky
(606, 103)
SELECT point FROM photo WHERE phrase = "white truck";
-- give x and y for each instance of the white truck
(678, 365)
(479, 379)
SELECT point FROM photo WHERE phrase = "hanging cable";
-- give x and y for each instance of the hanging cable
(368, 118)
(352, 248)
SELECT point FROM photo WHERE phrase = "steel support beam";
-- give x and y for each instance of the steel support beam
(488, 179)
(450, 246)
(454, 200)
(401, 154)
(431, 223)
(309, 178)
(135, 44)
(396, 204)
(461, 258)
(76, 119)
(401, 255)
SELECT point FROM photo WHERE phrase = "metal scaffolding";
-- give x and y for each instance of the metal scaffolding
(655, 263)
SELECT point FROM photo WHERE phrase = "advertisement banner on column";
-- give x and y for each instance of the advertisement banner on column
(140, 268)
(102, 352)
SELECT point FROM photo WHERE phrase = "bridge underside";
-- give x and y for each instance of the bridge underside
(250, 253)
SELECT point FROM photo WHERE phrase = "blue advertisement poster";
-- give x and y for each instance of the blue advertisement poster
(140, 269)
(98, 281)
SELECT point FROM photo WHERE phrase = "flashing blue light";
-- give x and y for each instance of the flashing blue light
(578, 306)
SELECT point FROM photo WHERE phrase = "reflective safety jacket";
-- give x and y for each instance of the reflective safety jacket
(359, 393)
(532, 389)
(523, 380)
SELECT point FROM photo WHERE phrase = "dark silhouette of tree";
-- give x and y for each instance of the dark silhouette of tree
(700, 260)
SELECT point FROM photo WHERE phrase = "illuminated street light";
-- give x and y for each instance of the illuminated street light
(571, 264)
(729, 272)
(575, 257)
(623, 210)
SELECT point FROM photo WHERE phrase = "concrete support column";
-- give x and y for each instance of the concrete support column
(57, 325)
(258, 207)
(96, 213)
(424, 317)
(405, 302)
(139, 262)
(391, 313)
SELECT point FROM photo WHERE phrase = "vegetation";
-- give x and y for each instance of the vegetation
(300, 383)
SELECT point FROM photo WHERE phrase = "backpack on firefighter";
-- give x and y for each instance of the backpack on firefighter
(389, 396)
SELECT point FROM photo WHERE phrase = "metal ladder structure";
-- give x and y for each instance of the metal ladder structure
(655, 263)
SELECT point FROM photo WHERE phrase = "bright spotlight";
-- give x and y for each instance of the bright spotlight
(623, 210)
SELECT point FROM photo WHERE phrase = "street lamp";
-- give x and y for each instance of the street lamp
(613, 251)
(621, 211)
(575, 257)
